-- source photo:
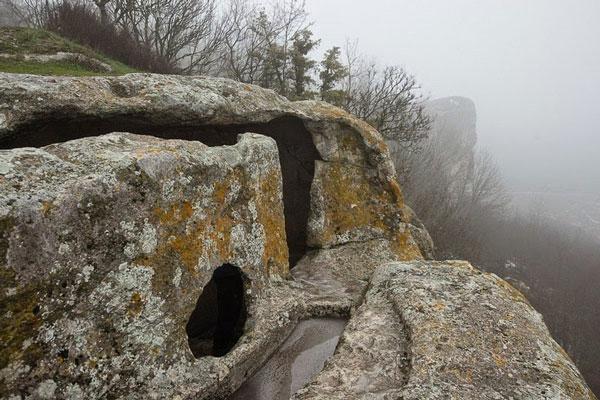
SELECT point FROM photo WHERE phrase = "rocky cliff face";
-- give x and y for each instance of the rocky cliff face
(454, 135)
(127, 259)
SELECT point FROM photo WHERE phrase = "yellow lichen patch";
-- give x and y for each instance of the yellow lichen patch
(350, 144)
(175, 213)
(175, 245)
(500, 361)
(404, 247)
(20, 321)
(350, 200)
(362, 128)
(47, 207)
(514, 293)
(398, 198)
(462, 376)
(20, 310)
(220, 192)
(359, 204)
(136, 304)
(372, 136)
(183, 238)
(222, 236)
(270, 215)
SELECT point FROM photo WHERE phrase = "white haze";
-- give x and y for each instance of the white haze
(532, 67)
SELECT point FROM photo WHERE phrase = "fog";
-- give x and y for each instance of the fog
(532, 67)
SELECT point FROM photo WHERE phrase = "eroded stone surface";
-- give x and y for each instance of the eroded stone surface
(106, 245)
(475, 336)
(439, 330)
(350, 149)
(420, 234)
(371, 360)
(107, 242)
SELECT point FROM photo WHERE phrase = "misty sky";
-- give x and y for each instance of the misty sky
(532, 67)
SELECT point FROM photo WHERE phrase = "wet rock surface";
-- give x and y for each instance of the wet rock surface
(296, 362)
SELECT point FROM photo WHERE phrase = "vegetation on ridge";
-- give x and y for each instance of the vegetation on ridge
(19, 41)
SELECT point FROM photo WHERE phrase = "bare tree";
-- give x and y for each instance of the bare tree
(184, 32)
(31, 13)
(487, 192)
(258, 46)
(458, 216)
(10, 13)
(388, 98)
(101, 4)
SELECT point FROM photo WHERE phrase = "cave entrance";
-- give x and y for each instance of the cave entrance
(217, 322)
(297, 153)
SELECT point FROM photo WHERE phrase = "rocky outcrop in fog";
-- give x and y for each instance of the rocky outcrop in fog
(172, 261)
(454, 134)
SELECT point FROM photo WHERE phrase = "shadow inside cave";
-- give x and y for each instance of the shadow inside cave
(217, 322)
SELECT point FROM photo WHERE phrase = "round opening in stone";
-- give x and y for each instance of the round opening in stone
(217, 322)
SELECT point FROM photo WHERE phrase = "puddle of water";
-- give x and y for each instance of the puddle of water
(300, 358)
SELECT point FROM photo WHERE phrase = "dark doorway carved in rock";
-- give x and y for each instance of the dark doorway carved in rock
(217, 322)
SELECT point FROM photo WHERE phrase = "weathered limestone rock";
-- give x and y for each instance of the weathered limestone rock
(433, 330)
(420, 234)
(107, 243)
(37, 110)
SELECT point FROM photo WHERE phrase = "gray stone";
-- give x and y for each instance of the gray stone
(420, 234)
(107, 243)
(351, 151)
(439, 330)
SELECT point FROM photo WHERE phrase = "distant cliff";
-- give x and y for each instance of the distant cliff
(454, 133)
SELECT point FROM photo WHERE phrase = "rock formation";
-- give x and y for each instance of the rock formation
(124, 255)
(457, 333)
(454, 135)
(352, 159)
(107, 243)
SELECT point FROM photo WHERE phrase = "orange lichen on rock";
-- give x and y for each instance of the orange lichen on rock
(358, 206)
(403, 245)
(275, 254)
(347, 206)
